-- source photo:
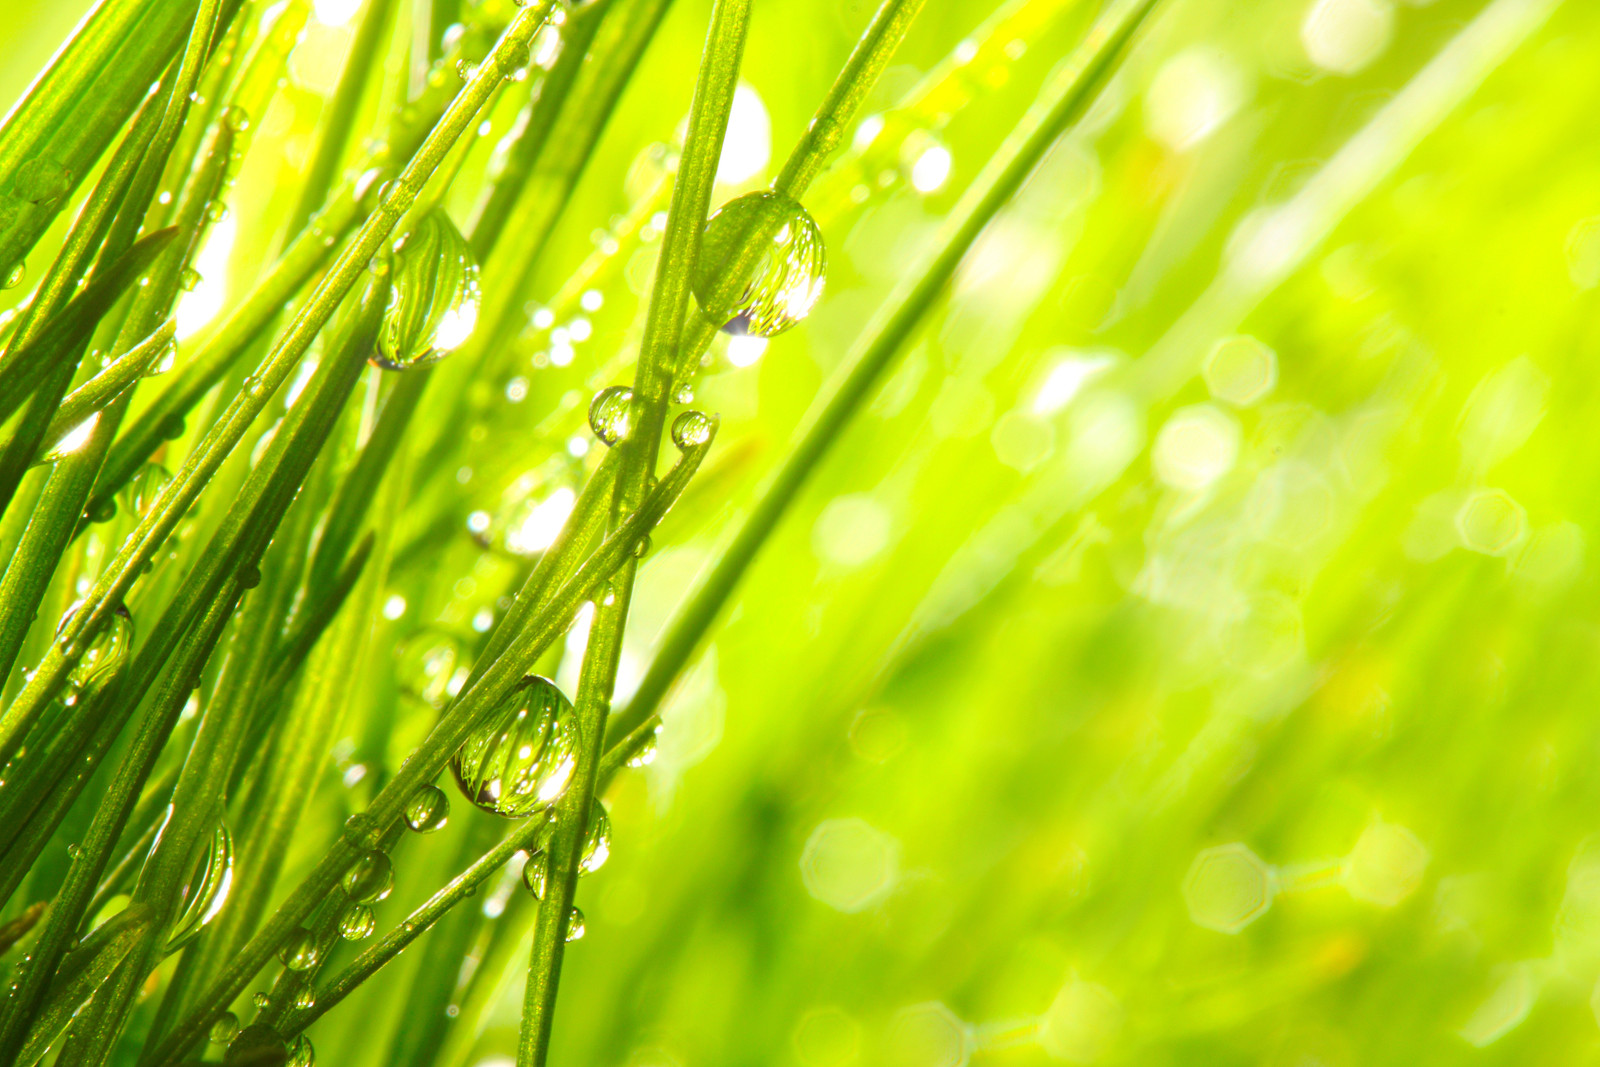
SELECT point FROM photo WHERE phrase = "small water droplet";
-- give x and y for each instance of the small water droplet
(104, 511)
(301, 1054)
(216, 211)
(225, 1029)
(788, 277)
(14, 276)
(358, 922)
(575, 925)
(641, 547)
(262, 1001)
(236, 118)
(300, 952)
(434, 306)
(189, 279)
(647, 752)
(140, 494)
(306, 998)
(257, 1046)
(685, 394)
(249, 576)
(163, 360)
(370, 879)
(427, 810)
(596, 840)
(536, 873)
(519, 761)
(611, 413)
(691, 429)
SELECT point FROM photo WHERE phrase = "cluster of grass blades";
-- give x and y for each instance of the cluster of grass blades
(198, 537)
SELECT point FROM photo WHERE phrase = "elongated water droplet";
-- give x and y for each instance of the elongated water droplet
(14, 276)
(611, 413)
(519, 761)
(306, 998)
(428, 810)
(647, 752)
(107, 651)
(370, 879)
(596, 840)
(434, 306)
(536, 873)
(72, 440)
(300, 952)
(788, 276)
(206, 891)
(358, 922)
(257, 1046)
(692, 428)
(225, 1029)
(301, 1054)
(575, 925)
(641, 547)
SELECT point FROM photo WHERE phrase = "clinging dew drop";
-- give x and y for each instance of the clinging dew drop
(536, 873)
(370, 878)
(575, 925)
(225, 1029)
(207, 888)
(358, 922)
(301, 1054)
(596, 841)
(427, 810)
(104, 654)
(433, 306)
(691, 429)
(519, 761)
(787, 278)
(14, 276)
(611, 413)
(300, 952)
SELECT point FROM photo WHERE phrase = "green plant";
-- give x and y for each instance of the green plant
(257, 572)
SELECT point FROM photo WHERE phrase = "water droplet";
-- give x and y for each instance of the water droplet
(104, 511)
(519, 761)
(189, 279)
(611, 413)
(256, 1046)
(787, 280)
(536, 873)
(300, 952)
(262, 1001)
(685, 394)
(14, 276)
(466, 70)
(641, 548)
(163, 360)
(428, 809)
(42, 180)
(358, 922)
(236, 118)
(105, 653)
(370, 879)
(301, 1054)
(575, 925)
(596, 841)
(172, 427)
(225, 1029)
(73, 851)
(216, 211)
(249, 576)
(206, 891)
(434, 306)
(647, 752)
(429, 664)
(691, 429)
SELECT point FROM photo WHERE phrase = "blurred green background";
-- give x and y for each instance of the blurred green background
(1189, 659)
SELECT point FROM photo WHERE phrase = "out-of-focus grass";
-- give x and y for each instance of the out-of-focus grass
(1183, 525)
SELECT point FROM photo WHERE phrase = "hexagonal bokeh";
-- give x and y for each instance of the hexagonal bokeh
(1491, 522)
(848, 864)
(928, 1035)
(1240, 370)
(1081, 1022)
(1228, 888)
(1386, 866)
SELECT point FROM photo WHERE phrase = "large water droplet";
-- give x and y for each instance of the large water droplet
(692, 428)
(301, 1054)
(300, 952)
(106, 652)
(358, 922)
(206, 891)
(434, 305)
(256, 1046)
(370, 879)
(787, 280)
(519, 761)
(536, 873)
(596, 840)
(225, 1029)
(611, 413)
(575, 925)
(427, 810)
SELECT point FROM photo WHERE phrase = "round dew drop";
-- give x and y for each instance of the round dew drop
(370, 879)
(519, 761)
(358, 922)
(611, 413)
(692, 428)
(428, 810)
(434, 305)
(300, 952)
(306, 998)
(788, 274)
(225, 1029)
(575, 925)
